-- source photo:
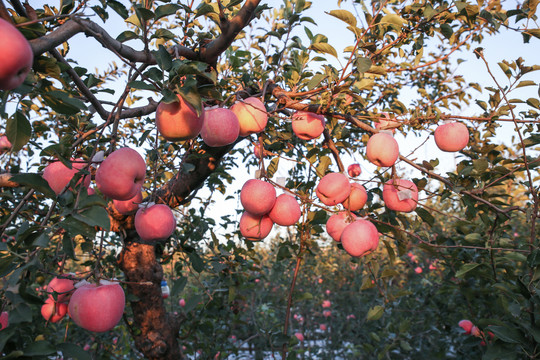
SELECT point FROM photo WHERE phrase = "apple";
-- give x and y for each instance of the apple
(178, 121)
(155, 222)
(326, 304)
(220, 127)
(475, 331)
(286, 210)
(333, 189)
(5, 144)
(97, 308)
(337, 222)
(257, 197)
(182, 302)
(4, 320)
(299, 336)
(451, 137)
(385, 123)
(121, 175)
(308, 125)
(382, 149)
(17, 59)
(360, 238)
(327, 313)
(251, 114)
(354, 170)
(357, 198)
(126, 207)
(400, 195)
(322, 327)
(255, 227)
(53, 311)
(63, 287)
(59, 175)
(418, 270)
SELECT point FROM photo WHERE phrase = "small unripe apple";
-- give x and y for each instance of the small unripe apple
(182, 302)
(17, 56)
(333, 189)
(382, 150)
(4, 320)
(255, 227)
(299, 336)
(360, 238)
(466, 325)
(258, 150)
(63, 288)
(323, 327)
(308, 125)
(121, 175)
(154, 223)
(257, 197)
(220, 127)
(326, 304)
(178, 121)
(59, 175)
(327, 313)
(400, 195)
(251, 115)
(126, 207)
(354, 170)
(337, 222)
(475, 331)
(286, 210)
(5, 144)
(53, 311)
(385, 123)
(452, 136)
(357, 198)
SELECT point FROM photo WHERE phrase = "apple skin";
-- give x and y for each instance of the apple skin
(5, 144)
(121, 175)
(220, 127)
(452, 136)
(53, 311)
(333, 189)
(255, 227)
(127, 207)
(154, 223)
(299, 336)
(182, 302)
(326, 304)
(337, 222)
(323, 327)
(385, 123)
(390, 195)
(308, 125)
(15, 67)
(360, 238)
(357, 198)
(97, 308)
(252, 116)
(63, 288)
(286, 210)
(382, 150)
(4, 320)
(59, 175)
(257, 197)
(178, 121)
(466, 325)
(354, 170)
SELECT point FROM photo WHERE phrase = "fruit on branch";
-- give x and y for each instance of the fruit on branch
(286, 210)
(97, 308)
(62, 287)
(299, 336)
(354, 170)
(466, 325)
(155, 222)
(385, 123)
(178, 121)
(5, 144)
(337, 222)
(360, 238)
(255, 227)
(308, 125)
(400, 195)
(326, 304)
(333, 189)
(220, 127)
(126, 207)
(4, 320)
(252, 116)
(53, 311)
(59, 175)
(451, 137)
(121, 175)
(257, 197)
(357, 198)
(323, 327)
(182, 302)
(382, 150)
(475, 331)
(17, 59)
(327, 313)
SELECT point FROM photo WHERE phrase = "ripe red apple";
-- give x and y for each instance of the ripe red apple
(53, 311)
(385, 123)
(126, 207)
(255, 227)
(63, 288)
(357, 198)
(354, 170)
(286, 210)
(4, 320)
(327, 313)
(97, 308)
(251, 115)
(17, 59)
(453, 136)
(466, 325)
(360, 238)
(154, 223)
(182, 302)
(308, 125)
(299, 336)
(333, 189)
(337, 222)
(59, 175)
(382, 149)
(400, 195)
(5, 144)
(257, 197)
(178, 121)
(322, 327)
(220, 127)
(326, 304)
(121, 175)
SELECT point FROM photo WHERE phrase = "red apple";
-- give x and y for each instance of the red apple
(97, 308)
(452, 136)
(475, 331)
(333, 189)
(299, 336)
(154, 223)
(121, 175)
(286, 210)
(258, 197)
(182, 302)
(360, 238)
(178, 121)
(385, 123)
(59, 175)
(4, 320)
(255, 227)
(337, 222)
(382, 149)
(126, 207)
(357, 198)
(322, 327)
(251, 115)
(400, 195)
(308, 125)
(354, 170)
(327, 313)
(326, 304)
(5, 144)
(17, 56)
(220, 127)
(63, 287)
(53, 311)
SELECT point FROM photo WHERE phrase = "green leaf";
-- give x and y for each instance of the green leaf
(525, 83)
(324, 48)
(535, 103)
(178, 286)
(192, 303)
(315, 81)
(465, 269)
(18, 130)
(324, 163)
(197, 262)
(36, 182)
(345, 16)
(163, 58)
(73, 351)
(163, 34)
(119, 8)
(363, 64)
(272, 167)
(507, 334)
(127, 35)
(447, 30)
(375, 313)
(139, 84)
(39, 348)
(204, 9)
(191, 95)
(425, 216)
(533, 32)
(166, 10)
(395, 20)
(95, 216)
(61, 102)
(144, 14)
